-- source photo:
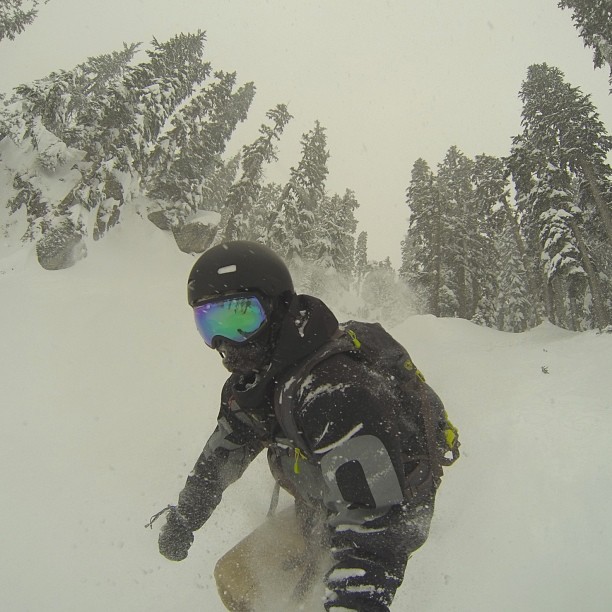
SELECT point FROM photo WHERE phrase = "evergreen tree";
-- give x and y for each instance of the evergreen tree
(51, 118)
(300, 207)
(563, 264)
(130, 120)
(451, 255)
(106, 124)
(514, 303)
(564, 121)
(134, 113)
(195, 229)
(422, 247)
(264, 213)
(344, 237)
(243, 194)
(333, 245)
(459, 229)
(216, 188)
(562, 182)
(15, 15)
(189, 154)
(63, 102)
(593, 19)
(329, 268)
(490, 197)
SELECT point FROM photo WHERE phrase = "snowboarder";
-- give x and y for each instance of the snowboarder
(363, 478)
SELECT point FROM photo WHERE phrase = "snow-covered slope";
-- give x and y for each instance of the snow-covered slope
(108, 395)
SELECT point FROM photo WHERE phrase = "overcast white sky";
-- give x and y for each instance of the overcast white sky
(391, 80)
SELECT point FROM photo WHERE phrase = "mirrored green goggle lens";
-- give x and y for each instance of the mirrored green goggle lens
(235, 319)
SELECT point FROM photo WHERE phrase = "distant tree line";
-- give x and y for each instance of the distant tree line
(507, 242)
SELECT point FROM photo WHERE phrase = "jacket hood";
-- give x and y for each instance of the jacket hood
(307, 325)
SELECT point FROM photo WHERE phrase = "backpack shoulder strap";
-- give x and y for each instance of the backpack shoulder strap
(287, 389)
(430, 425)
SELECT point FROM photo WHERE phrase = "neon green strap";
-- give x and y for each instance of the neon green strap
(298, 455)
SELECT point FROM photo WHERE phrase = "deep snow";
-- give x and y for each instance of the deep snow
(109, 394)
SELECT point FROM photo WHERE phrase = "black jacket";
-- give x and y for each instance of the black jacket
(367, 475)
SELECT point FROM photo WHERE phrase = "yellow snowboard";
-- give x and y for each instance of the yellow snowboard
(273, 569)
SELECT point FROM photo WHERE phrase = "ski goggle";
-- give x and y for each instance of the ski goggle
(233, 318)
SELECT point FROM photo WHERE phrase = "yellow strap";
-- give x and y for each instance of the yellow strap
(353, 337)
(409, 365)
(298, 455)
(451, 433)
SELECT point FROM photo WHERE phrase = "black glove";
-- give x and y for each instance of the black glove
(175, 537)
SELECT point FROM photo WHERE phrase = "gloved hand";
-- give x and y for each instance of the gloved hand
(175, 537)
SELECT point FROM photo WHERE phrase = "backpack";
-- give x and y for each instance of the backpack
(370, 343)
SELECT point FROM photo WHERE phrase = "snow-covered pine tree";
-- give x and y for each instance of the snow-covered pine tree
(115, 114)
(130, 118)
(216, 188)
(63, 101)
(15, 15)
(560, 254)
(51, 120)
(188, 155)
(302, 198)
(459, 228)
(421, 265)
(565, 120)
(263, 214)
(568, 264)
(342, 232)
(561, 139)
(593, 19)
(242, 195)
(170, 76)
(516, 265)
(133, 112)
(449, 254)
(333, 245)
(514, 308)
(331, 262)
(490, 195)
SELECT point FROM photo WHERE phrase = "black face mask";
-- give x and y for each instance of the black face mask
(250, 356)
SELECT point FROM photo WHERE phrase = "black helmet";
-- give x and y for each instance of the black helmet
(238, 267)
